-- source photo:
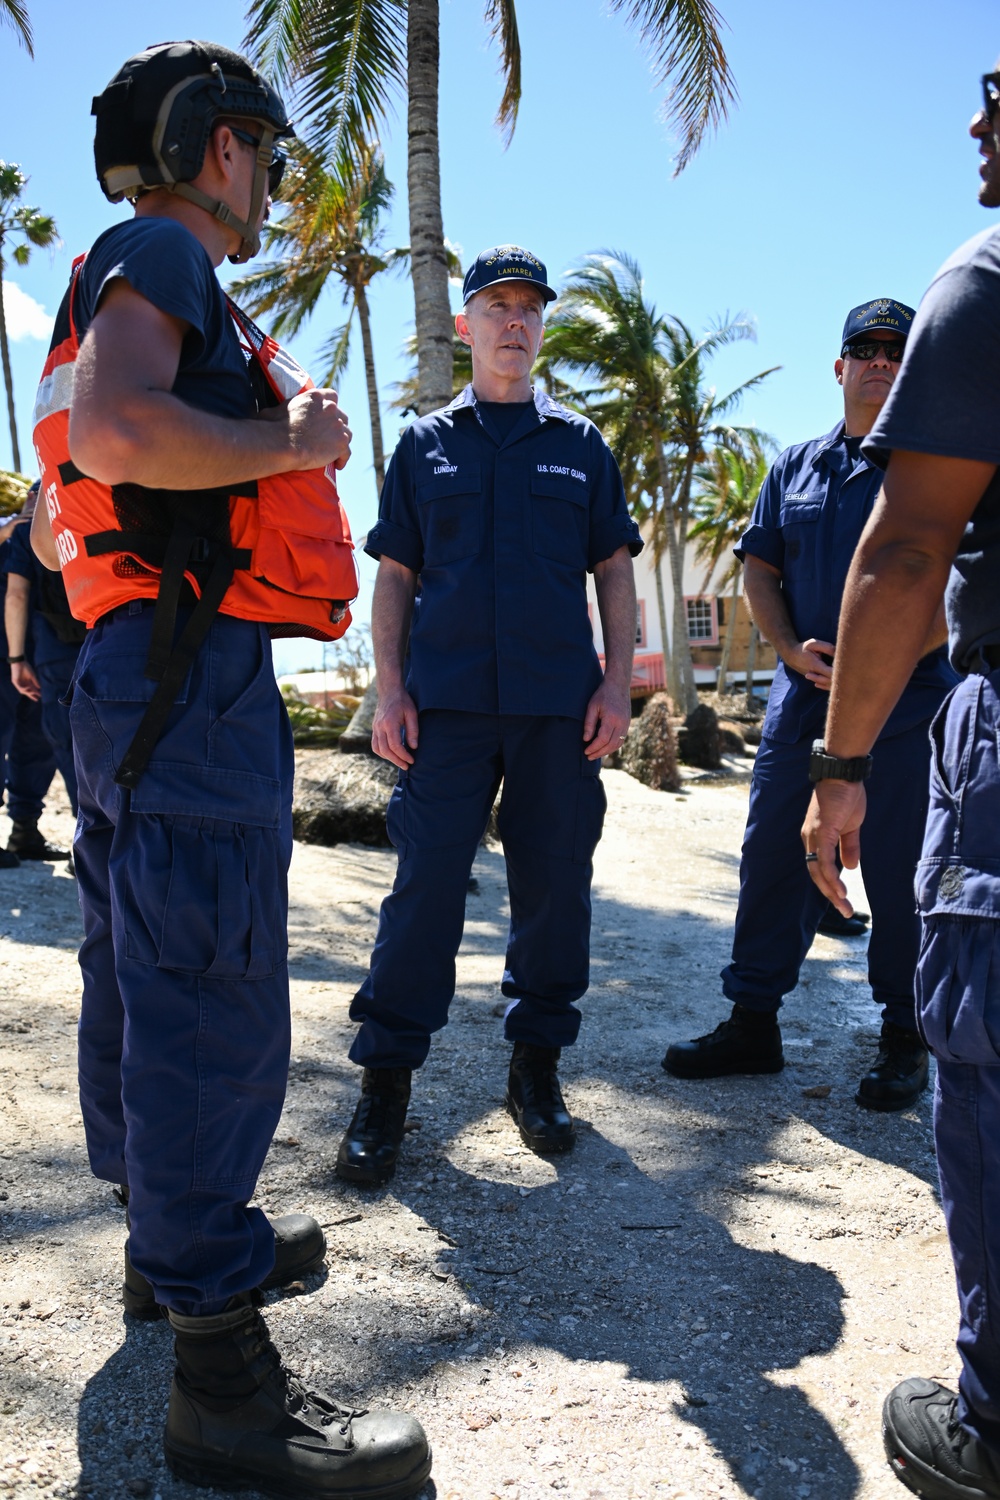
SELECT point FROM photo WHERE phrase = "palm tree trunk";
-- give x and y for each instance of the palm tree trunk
(429, 264)
(751, 701)
(8, 380)
(378, 454)
(727, 645)
(680, 653)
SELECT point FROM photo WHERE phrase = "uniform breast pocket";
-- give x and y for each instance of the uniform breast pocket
(559, 519)
(451, 517)
(800, 529)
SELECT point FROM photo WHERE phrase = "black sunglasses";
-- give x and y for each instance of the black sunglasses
(276, 166)
(867, 349)
(991, 95)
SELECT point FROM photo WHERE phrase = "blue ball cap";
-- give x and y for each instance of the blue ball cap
(506, 263)
(880, 316)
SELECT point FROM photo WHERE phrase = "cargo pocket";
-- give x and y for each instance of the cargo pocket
(958, 972)
(592, 804)
(395, 815)
(205, 897)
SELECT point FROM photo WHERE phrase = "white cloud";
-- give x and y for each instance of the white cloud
(26, 318)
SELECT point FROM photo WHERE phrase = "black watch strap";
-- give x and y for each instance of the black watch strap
(824, 767)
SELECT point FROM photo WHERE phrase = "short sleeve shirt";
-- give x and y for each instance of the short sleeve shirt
(502, 530)
(807, 522)
(162, 261)
(946, 401)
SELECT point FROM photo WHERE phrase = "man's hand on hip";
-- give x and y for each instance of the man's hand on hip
(835, 815)
(395, 729)
(609, 713)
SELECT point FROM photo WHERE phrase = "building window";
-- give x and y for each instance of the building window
(640, 622)
(703, 629)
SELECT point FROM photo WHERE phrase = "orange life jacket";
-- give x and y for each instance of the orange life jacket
(288, 535)
(275, 550)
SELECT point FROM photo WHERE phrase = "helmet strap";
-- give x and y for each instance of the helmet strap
(246, 228)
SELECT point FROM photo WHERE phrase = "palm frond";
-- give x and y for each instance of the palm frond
(502, 21)
(336, 351)
(346, 60)
(15, 15)
(689, 60)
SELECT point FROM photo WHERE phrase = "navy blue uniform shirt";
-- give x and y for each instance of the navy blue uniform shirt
(163, 261)
(807, 522)
(502, 531)
(945, 401)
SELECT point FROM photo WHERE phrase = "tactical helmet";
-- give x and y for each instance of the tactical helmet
(155, 117)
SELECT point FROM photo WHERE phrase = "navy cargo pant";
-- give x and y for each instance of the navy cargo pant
(780, 907)
(25, 752)
(551, 817)
(54, 662)
(958, 1008)
(184, 1027)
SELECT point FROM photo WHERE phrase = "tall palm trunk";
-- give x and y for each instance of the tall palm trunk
(428, 262)
(727, 645)
(680, 653)
(375, 415)
(751, 701)
(8, 379)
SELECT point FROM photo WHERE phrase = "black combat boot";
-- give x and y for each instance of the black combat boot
(930, 1451)
(28, 841)
(834, 924)
(239, 1420)
(370, 1148)
(299, 1247)
(749, 1042)
(535, 1100)
(899, 1074)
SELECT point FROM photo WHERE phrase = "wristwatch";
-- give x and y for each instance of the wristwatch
(824, 767)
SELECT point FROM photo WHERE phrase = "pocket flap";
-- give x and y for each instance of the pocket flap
(947, 888)
(560, 487)
(464, 479)
(794, 511)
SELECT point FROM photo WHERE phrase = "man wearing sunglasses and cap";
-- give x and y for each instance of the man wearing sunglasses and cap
(497, 506)
(936, 534)
(811, 511)
(164, 423)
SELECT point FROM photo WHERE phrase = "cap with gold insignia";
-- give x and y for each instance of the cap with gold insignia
(882, 315)
(506, 263)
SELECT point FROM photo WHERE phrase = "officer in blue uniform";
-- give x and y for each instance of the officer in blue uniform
(42, 632)
(185, 1026)
(937, 534)
(796, 552)
(498, 504)
(25, 753)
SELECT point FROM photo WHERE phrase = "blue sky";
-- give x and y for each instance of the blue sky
(845, 173)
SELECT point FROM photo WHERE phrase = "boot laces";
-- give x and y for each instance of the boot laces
(542, 1082)
(298, 1399)
(374, 1109)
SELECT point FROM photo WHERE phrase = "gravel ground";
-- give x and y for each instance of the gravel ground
(709, 1297)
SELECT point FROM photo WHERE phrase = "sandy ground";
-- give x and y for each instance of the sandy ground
(709, 1297)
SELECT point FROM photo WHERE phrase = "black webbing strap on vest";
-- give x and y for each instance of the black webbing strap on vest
(176, 667)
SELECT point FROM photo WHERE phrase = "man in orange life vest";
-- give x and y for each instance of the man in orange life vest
(175, 454)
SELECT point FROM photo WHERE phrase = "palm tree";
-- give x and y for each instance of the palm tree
(27, 227)
(698, 422)
(727, 488)
(329, 230)
(350, 57)
(647, 394)
(15, 15)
